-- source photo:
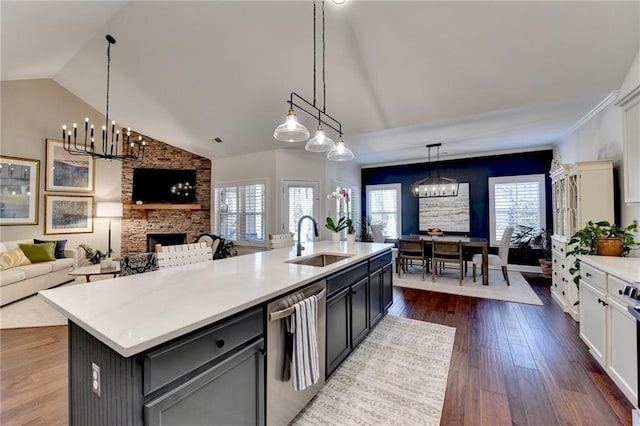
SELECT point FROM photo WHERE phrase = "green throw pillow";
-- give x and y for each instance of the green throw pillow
(39, 252)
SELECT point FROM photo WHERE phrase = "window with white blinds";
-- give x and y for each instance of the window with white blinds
(516, 200)
(384, 208)
(240, 212)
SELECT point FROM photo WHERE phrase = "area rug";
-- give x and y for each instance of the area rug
(32, 312)
(519, 291)
(397, 376)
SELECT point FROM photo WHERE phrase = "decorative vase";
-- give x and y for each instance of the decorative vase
(610, 246)
(335, 237)
(351, 238)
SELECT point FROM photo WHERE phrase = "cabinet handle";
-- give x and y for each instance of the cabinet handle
(354, 292)
(604, 303)
(555, 273)
(562, 266)
(555, 285)
(563, 293)
(620, 292)
(561, 250)
(588, 274)
(220, 343)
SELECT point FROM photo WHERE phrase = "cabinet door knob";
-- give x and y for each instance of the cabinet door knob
(220, 343)
(620, 292)
(563, 293)
(588, 274)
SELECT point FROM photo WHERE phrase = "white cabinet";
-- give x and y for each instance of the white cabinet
(631, 106)
(607, 328)
(593, 324)
(581, 192)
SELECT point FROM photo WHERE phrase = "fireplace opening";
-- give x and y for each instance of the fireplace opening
(164, 239)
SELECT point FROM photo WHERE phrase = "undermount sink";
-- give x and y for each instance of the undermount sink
(320, 259)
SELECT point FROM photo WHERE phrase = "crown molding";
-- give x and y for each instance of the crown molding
(595, 111)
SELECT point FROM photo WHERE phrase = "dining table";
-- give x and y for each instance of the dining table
(481, 243)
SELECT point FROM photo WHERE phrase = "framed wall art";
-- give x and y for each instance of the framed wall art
(451, 214)
(19, 180)
(67, 172)
(68, 214)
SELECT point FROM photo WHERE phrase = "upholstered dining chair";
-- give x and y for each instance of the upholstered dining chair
(501, 259)
(443, 252)
(184, 254)
(410, 250)
(138, 263)
(281, 240)
(376, 233)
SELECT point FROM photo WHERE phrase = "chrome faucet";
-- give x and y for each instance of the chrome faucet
(315, 230)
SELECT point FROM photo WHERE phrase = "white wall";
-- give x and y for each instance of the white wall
(32, 111)
(601, 138)
(286, 164)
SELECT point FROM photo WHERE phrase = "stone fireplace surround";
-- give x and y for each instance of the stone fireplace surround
(164, 156)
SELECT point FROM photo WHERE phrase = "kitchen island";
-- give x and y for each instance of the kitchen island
(142, 342)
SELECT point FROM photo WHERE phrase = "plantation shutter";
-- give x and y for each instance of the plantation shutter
(382, 206)
(301, 203)
(240, 212)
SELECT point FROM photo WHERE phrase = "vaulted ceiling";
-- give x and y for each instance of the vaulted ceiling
(482, 77)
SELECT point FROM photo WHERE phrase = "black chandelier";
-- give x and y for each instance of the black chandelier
(293, 131)
(108, 147)
(435, 186)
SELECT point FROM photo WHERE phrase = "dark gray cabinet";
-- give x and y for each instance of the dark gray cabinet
(387, 287)
(338, 344)
(357, 299)
(229, 393)
(376, 309)
(215, 373)
(359, 311)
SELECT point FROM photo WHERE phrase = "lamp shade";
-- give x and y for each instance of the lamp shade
(108, 209)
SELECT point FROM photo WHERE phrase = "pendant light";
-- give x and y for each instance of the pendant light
(340, 152)
(110, 144)
(435, 186)
(293, 131)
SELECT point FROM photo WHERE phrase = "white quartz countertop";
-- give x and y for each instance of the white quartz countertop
(625, 268)
(134, 313)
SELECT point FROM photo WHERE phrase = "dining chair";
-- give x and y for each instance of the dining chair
(408, 251)
(376, 233)
(443, 252)
(138, 263)
(502, 258)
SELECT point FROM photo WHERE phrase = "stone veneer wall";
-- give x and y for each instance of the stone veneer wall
(160, 155)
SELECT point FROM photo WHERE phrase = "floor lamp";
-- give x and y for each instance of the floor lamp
(109, 210)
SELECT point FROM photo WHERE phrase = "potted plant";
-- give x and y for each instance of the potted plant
(351, 231)
(599, 238)
(542, 241)
(94, 257)
(336, 227)
(530, 246)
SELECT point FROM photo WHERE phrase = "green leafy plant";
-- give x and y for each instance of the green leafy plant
(350, 228)
(336, 226)
(585, 242)
(93, 256)
(365, 229)
(542, 241)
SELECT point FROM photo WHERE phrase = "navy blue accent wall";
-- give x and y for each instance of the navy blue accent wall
(476, 171)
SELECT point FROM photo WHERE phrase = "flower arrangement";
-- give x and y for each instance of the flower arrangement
(344, 222)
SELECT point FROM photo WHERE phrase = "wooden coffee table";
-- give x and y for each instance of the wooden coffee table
(93, 270)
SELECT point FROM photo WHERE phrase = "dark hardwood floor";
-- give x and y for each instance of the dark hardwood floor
(517, 364)
(512, 364)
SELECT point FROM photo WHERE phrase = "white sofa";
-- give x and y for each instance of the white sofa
(22, 281)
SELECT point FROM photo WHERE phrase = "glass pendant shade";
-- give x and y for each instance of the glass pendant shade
(291, 130)
(320, 142)
(340, 152)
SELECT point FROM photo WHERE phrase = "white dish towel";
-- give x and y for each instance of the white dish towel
(305, 364)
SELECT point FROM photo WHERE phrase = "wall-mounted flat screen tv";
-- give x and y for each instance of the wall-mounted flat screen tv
(164, 186)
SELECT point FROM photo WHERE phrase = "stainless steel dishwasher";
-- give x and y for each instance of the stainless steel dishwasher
(283, 402)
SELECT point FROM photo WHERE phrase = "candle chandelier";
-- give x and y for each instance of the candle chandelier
(293, 131)
(437, 186)
(109, 147)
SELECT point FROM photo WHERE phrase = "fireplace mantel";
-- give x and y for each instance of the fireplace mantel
(144, 208)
